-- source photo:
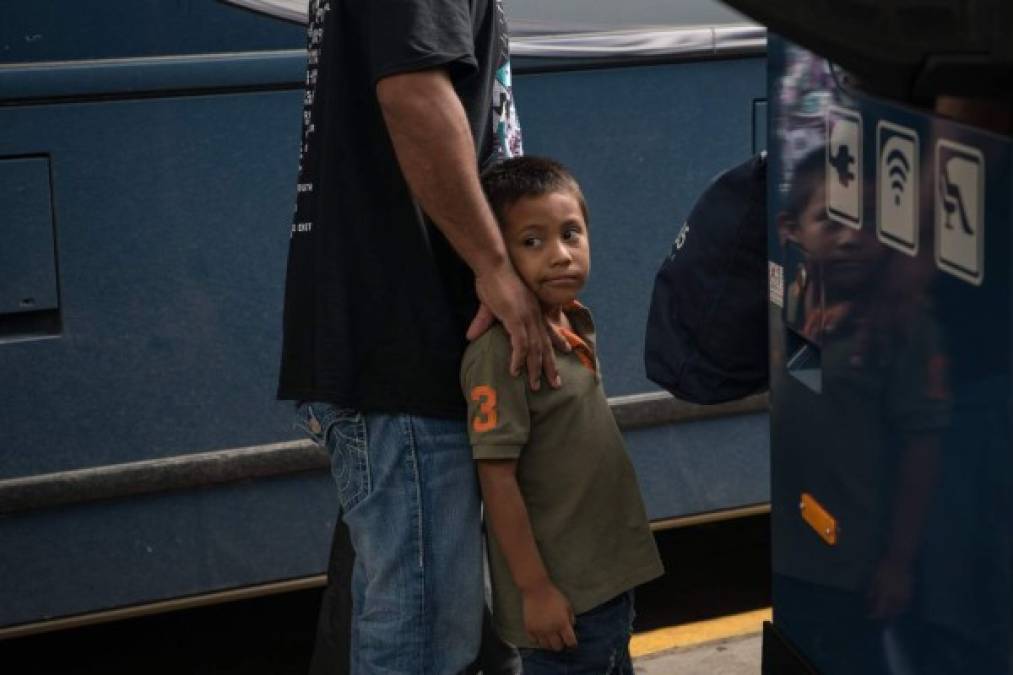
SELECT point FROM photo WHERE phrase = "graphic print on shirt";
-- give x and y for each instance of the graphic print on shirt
(302, 220)
(486, 417)
(504, 113)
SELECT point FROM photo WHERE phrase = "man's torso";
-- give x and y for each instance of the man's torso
(377, 302)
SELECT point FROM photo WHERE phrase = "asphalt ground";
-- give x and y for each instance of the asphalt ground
(713, 571)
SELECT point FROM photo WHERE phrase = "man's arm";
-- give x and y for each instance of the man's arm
(433, 143)
(548, 617)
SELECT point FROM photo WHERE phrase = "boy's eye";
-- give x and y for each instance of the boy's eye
(570, 234)
(531, 242)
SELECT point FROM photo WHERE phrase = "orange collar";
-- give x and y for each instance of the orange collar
(580, 348)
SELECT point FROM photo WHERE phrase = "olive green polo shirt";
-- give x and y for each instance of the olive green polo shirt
(574, 474)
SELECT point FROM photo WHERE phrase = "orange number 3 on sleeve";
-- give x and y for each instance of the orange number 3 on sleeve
(486, 418)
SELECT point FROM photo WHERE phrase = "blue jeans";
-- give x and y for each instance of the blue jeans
(603, 644)
(409, 495)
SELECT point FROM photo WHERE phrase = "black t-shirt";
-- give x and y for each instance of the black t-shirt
(377, 302)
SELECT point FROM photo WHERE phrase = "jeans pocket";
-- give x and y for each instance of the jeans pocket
(342, 432)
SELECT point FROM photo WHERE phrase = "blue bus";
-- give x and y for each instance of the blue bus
(148, 153)
(889, 211)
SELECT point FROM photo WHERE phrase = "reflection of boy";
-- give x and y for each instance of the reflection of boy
(866, 448)
(570, 535)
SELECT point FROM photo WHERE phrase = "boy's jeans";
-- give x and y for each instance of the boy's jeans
(603, 644)
(409, 495)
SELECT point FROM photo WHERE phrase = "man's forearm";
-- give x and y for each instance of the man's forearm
(431, 136)
(433, 142)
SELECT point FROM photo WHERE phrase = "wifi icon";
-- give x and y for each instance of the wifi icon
(898, 167)
(897, 186)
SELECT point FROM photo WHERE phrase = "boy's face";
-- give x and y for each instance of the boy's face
(546, 237)
(848, 256)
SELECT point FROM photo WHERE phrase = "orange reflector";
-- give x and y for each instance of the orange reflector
(818, 518)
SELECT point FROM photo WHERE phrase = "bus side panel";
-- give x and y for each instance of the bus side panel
(172, 218)
(702, 467)
(90, 557)
(57, 30)
(643, 142)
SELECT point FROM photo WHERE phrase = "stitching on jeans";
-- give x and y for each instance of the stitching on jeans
(342, 454)
(346, 447)
(408, 429)
(414, 457)
(362, 431)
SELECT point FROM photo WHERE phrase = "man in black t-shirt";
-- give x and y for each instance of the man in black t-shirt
(395, 256)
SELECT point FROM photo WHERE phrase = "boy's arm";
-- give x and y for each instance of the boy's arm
(499, 426)
(548, 617)
(892, 584)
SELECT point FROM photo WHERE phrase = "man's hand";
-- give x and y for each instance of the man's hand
(505, 297)
(548, 617)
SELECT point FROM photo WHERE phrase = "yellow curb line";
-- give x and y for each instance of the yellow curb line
(686, 635)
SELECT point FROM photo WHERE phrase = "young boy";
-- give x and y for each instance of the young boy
(570, 538)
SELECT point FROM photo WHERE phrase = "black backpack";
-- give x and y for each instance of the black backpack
(706, 338)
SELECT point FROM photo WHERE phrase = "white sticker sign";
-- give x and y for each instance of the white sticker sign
(844, 166)
(960, 211)
(775, 283)
(897, 178)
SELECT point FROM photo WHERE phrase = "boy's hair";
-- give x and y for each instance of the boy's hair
(529, 176)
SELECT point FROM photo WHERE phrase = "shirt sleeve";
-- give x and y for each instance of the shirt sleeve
(499, 421)
(409, 35)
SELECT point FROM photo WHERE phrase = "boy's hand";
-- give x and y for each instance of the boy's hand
(548, 617)
(505, 297)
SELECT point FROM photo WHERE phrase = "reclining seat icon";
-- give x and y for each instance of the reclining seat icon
(953, 201)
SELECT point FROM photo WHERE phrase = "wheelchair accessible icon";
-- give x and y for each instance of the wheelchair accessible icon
(960, 211)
